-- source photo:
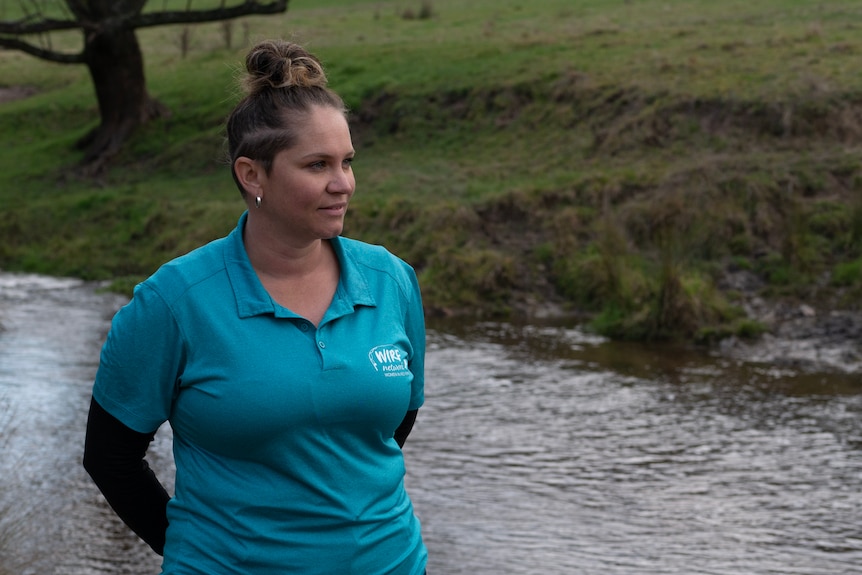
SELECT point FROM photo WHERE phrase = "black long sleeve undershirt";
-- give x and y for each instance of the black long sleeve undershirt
(406, 427)
(114, 458)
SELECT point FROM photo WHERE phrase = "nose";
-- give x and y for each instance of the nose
(342, 182)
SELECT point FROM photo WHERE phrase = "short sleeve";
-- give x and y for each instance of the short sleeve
(414, 326)
(140, 364)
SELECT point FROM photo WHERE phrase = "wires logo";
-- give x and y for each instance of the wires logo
(389, 359)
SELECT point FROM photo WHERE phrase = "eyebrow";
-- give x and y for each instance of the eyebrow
(327, 155)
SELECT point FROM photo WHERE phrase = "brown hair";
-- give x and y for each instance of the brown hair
(282, 83)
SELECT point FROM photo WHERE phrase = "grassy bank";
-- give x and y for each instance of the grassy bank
(626, 160)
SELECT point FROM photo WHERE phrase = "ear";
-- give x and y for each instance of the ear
(250, 174)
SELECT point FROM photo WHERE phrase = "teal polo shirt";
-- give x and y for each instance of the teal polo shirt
(282, 431)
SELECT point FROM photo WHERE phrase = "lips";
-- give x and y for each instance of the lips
(335, 208)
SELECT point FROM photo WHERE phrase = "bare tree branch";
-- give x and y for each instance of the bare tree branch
(49, 55)
(132, 18)
(248, 7)
(25, 27)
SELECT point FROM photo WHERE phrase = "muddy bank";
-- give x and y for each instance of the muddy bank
(805, 335)
(12, 93)
(801, 337)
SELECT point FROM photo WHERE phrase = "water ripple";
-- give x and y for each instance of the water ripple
(541, 450)
(525, 461)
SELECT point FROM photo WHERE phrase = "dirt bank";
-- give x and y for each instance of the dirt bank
(11, 93)
(801, 335)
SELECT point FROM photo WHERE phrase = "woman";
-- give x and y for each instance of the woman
(287, 359)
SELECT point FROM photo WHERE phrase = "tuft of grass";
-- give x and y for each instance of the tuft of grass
(424, 12)
(848, 274)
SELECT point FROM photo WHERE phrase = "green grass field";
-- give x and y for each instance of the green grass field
(618, 157)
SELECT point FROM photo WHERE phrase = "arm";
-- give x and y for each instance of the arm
(114, 458)
(406, 426)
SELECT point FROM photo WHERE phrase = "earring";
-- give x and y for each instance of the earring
(257, 201)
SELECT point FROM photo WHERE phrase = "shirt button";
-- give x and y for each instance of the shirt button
(321, 344)
(303, 326)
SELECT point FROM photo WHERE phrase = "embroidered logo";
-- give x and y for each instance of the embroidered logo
(389, 359)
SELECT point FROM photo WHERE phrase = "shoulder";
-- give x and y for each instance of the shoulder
(376, 258)
(175, 278)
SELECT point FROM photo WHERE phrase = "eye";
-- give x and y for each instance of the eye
(347, 163)
(318, 165)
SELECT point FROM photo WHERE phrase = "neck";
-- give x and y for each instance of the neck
(279, 258)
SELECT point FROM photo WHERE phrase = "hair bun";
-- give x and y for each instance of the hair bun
(276, 64)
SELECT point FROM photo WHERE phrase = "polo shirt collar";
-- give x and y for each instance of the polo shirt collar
(352, 290)
(252, 299)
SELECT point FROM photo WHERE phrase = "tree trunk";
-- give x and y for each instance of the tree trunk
(116, 66)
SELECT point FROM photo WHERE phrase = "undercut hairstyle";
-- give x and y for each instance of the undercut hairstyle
(282, 83)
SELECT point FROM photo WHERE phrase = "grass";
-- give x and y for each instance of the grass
(617, 157)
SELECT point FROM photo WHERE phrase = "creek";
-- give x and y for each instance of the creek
(541, 450)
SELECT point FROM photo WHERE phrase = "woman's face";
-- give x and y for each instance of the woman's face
(306, 193)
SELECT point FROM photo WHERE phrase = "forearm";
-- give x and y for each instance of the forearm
(114, 458)
(406, 427)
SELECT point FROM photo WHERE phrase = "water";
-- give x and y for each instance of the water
(52, 520)
(547, 452)
(541, 450)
